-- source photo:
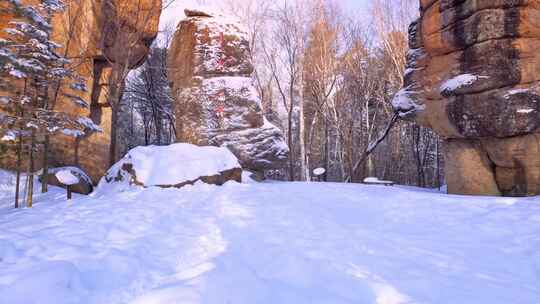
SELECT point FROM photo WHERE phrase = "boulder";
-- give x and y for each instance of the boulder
(472, 75)
(95, 35)
(84, 185)
(175, 166)
(215, 100)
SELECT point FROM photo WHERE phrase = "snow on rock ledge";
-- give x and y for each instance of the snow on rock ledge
(176, 166)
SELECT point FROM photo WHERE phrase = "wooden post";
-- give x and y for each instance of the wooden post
(66, 178)
(68, 192)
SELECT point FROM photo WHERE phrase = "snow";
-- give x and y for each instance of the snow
(236, 85)
(375, 180)
(262, 147)
(9, 136)
(212, 51)
(526, 111)
(5, 100)
(271, 242)
(89, 124)
(176, 163)
(404, 103)
(248, 177)
(517, 92)
(409, 71)
(77, 172)
(72, 133)
(32, 125)
(16, 73)
(66, 177)
(460, 81)
(319, 171)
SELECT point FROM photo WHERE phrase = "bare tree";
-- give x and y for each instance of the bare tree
(322, 78)
(284, 59)
(128, 34)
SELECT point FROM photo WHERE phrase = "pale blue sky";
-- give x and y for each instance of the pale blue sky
(355, 3)
(175, 12)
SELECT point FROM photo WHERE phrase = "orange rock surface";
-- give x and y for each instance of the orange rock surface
(94, 34)
(472, 76)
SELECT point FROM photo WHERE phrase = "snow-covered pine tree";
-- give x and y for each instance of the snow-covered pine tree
(31, 65)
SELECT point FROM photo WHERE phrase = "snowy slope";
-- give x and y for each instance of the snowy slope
(270, 243)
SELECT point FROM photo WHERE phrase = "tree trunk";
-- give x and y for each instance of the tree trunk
(116, 89)
(45, 173)
(326, 150)
(18, 182)
(372, 146)
(438, 163)
(31, 172)
(291, 148)
(417, 134)
(309, 145)
(112, 147)
(304, 176)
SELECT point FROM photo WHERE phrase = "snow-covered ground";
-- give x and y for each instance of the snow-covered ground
(269, 243)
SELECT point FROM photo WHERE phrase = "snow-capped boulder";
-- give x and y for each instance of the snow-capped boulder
(76, 178)
(176, 166)
(216, 102)
(472, 76)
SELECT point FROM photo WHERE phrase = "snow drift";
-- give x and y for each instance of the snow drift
(268, 243)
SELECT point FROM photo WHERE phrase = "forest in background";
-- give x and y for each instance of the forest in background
(326, 77)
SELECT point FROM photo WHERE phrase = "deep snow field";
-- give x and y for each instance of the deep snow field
(271, 243)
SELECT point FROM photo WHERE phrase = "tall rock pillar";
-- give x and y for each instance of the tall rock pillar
(215, 101)
(472, 76)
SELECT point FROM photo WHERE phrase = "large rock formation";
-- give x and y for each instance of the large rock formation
(96, 35)
(472, 76)
(216, 102)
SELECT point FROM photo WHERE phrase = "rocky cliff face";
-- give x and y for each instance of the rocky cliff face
(472, 76)
(216, 102)
(95, 35)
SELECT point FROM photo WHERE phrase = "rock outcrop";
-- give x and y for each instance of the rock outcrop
(96, 35)
(174, 166)
(472, 76)
(216, 102)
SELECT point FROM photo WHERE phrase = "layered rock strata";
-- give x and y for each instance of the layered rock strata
(472, 75)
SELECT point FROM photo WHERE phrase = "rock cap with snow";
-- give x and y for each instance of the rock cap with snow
(196, 13)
